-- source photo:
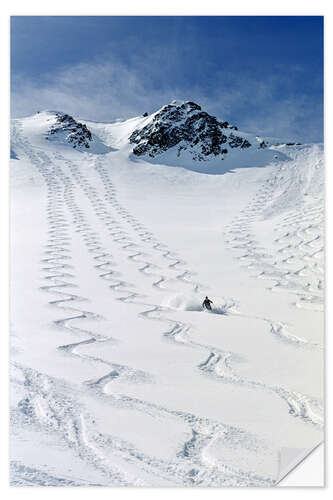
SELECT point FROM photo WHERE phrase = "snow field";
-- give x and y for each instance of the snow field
(114, 362)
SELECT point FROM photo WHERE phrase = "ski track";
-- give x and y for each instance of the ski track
(56, 412)
(22, 475)
(298, 238)
(299, 405)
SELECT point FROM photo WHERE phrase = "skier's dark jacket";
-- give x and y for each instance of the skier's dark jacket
(207, 303)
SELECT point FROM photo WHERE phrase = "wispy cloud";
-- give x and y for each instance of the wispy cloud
(97, 91)
(105, 91)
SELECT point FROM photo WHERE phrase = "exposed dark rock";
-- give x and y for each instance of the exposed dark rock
(187, 126)
(78, 133)
(238, 142)
(246, 144)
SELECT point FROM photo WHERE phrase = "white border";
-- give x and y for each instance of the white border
(172, 7)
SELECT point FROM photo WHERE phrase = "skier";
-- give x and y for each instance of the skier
(207, 304)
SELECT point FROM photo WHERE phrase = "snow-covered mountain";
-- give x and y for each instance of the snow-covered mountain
(119, 377)
(70, 130)
(178, 134)
(185, 126)
(181, 133)
(61, 129)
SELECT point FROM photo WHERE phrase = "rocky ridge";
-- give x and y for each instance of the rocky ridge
(77, 134)
(188, 128)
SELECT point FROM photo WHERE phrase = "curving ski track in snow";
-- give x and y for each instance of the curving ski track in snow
(46, 403)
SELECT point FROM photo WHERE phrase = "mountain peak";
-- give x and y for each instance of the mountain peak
(186, 105)
(183, 125)
(73, 132)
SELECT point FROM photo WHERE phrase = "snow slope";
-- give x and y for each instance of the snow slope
(118, 375)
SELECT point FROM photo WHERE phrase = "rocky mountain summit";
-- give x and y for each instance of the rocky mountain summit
(77, 134)
(186, 127)
(179, 134)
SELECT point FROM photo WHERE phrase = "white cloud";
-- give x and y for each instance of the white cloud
(97, 91)
(109, 90)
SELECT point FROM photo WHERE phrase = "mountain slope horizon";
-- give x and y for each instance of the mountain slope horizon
(177, 134)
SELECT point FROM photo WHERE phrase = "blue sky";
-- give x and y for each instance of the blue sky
(265, 74)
